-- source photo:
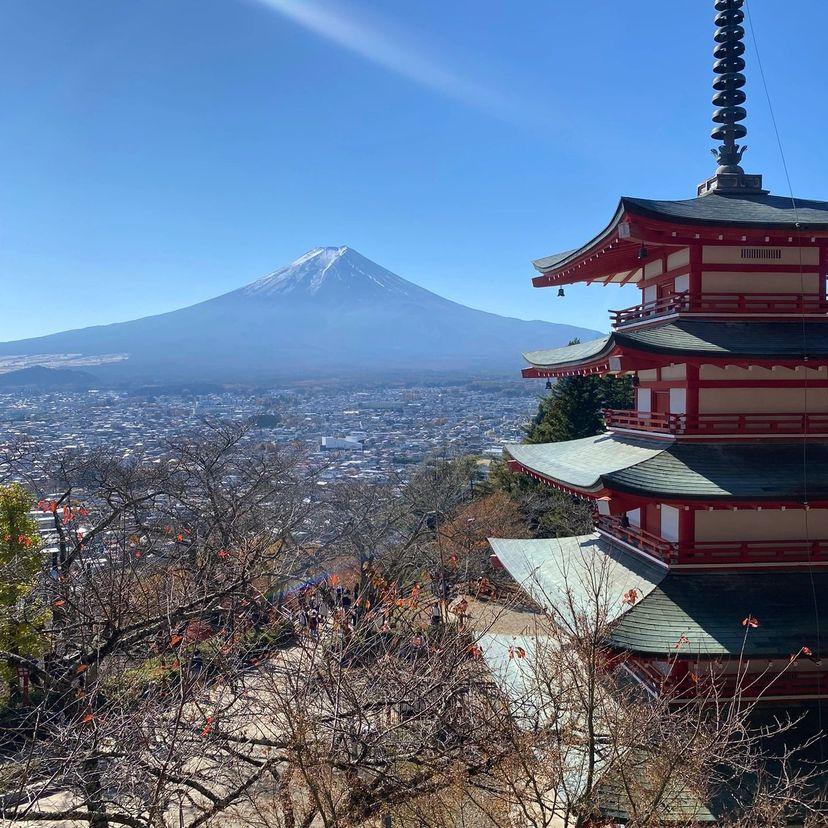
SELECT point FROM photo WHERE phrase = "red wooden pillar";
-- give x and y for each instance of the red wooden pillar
(695, 274)
(692, 387)
(823, 277)
(687, 526)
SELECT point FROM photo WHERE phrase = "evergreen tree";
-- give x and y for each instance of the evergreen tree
(571, 410)
(573, 407)
(21, 616)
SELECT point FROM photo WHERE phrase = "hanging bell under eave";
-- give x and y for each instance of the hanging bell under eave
(561, 293)
(643, 253)
(549, 385)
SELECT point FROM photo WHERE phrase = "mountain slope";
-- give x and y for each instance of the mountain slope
(331, 312)
(46, 379)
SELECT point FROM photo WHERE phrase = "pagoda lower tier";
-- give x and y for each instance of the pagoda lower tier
(755, 635)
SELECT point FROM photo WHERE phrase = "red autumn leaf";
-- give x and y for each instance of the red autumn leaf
(179, 537)
(208, 727)
(683, 639)
(751, 622)
(88, 718)
(59, 603)
(630, 597)
(807, 651)
(223, 553)
(81, 668)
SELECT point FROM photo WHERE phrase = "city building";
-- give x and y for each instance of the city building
(711, 495)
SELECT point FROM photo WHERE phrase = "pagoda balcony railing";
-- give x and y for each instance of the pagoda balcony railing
(653, 545)
(762, 304)
(718, 425)
(707, 553)
(751, 552)
(665, 306)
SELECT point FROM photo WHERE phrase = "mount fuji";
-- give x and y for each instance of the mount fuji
(330, 313)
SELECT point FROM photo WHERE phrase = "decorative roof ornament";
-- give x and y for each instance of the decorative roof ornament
(729, 114)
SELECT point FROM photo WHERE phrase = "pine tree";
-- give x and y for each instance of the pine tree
(570, 411)
(573, 407)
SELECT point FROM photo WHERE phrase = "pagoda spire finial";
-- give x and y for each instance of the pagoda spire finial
(728, 85)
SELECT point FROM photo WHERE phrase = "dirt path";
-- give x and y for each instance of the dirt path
(503, 619)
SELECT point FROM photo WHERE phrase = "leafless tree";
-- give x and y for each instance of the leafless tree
(205, 662)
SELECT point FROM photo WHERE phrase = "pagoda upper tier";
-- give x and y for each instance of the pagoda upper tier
(645, 234)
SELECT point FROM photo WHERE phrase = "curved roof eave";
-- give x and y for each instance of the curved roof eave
(583, 464)
(562, 573)
(556, 260)
(570, 354)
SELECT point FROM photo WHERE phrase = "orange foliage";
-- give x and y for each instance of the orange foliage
(466, 535)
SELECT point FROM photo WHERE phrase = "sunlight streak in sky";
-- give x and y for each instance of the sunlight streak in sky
(388, 51)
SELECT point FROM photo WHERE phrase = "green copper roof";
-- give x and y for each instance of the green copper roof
(555, 258)
(759, 339)
(683, 471)
(744, 471)
(708, 610)
(583, 463)
(570, 354)
(699, 337)
(563, 574)
(676, 804)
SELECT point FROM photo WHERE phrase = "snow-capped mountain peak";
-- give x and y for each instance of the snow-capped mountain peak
(336, 273)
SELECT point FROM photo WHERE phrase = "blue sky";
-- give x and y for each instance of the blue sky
(156, 153)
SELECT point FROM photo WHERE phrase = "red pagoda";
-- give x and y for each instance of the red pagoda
(711, 494)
